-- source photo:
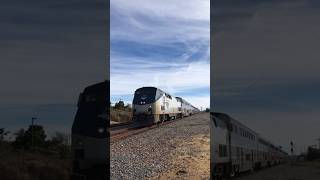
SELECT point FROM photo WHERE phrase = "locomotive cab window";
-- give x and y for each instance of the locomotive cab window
(146, 95)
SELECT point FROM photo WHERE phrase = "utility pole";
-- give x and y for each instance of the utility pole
(291, 144)
(32, 136)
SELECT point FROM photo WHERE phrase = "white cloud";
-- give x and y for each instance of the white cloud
(187, 9)
(199, 101)
(194, 75)
(160, 21)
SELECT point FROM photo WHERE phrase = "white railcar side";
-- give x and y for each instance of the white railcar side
(236, 148)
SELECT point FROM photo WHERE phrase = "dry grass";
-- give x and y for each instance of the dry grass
(120, 115)
(315, 163)
(191, 160)
(24, 165)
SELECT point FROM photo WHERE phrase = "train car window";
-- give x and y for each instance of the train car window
(214, 121)
(220, 123)
(90, 99)
(159, 94)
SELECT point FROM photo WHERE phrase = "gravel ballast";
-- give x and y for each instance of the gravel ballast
(150, 153)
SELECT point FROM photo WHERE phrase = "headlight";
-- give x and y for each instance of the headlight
(100, 130)
(79, 143)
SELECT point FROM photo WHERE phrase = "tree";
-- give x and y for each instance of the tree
(34, 136)
(60, 138)
(60, 143)
(3, 134)
(20, 140)
(313, 153)
(119, 105)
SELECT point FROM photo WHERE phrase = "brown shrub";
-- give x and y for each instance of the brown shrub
(120, 115)
(33, 166)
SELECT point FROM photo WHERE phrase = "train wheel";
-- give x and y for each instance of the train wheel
(167, 117)
(238, 170)
(232, 172)
(161, 119)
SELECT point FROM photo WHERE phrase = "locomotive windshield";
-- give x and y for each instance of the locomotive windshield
(146, 95)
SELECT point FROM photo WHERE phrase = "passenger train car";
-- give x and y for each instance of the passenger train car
(152, 105)
(90, 142)
(236, 148)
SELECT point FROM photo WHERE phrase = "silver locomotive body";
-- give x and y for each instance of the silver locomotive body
(152, 105)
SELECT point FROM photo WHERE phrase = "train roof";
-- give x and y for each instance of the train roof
(182, 100)
(177, 98)
(98, 87)
(155, 88)
(147, 87)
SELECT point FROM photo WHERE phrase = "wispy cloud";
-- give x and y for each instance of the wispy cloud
(160, 43)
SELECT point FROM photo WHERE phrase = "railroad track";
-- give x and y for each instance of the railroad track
(122, 133)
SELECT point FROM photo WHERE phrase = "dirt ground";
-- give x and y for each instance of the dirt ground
(297, 171)
(191, 160)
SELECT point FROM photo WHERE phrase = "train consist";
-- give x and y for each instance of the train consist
(236, 148)
(152, 105)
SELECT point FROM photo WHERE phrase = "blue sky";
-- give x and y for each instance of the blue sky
(163, 44)
(265, 71)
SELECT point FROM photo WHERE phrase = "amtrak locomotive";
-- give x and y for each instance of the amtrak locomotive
(152, 105)
(236, 148)
(90, 142)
